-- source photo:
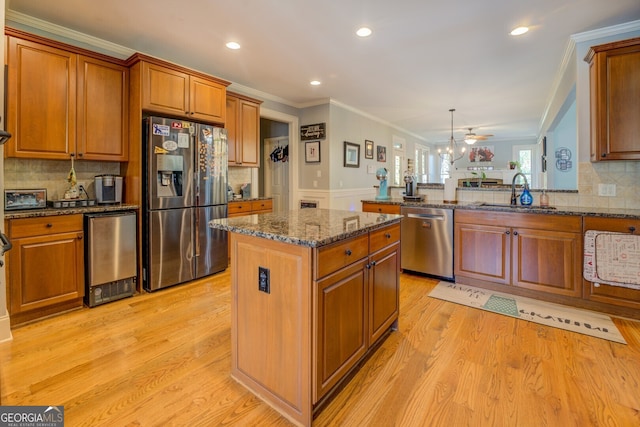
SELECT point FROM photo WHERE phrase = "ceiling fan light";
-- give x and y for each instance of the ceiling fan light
(519, 31)
(470, 141)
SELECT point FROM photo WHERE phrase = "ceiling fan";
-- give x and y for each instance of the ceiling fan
(471, 138)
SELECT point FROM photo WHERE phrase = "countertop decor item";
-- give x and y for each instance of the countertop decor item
(25, 199)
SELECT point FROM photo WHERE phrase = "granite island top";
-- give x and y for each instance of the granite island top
(34, 213)
(306, 227)
(553, 210)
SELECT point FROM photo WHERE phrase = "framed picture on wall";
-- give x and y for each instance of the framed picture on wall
(368, 149)
(312, 152)
(351, 155)
(382, 153)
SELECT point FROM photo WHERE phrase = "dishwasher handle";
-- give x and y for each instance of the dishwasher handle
(426, 216)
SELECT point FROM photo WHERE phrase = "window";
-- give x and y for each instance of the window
(445, 166)
(421, 168)
(397, 161)
(526, 154)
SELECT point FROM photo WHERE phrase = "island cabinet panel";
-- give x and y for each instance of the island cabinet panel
(271, 333)
(45, 271)
(341, 325)
(604, 293)
(338, 255)
(384, 290)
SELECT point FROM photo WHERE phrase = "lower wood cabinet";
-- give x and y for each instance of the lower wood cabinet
(609, 294)
(538, 252)
(249, 207)
(381, 208)
(357, 301)
(45, 268)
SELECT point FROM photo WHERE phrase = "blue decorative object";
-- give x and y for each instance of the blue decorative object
(383, 194)
(526, 198)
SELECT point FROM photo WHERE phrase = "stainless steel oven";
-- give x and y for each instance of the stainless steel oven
(427, 241)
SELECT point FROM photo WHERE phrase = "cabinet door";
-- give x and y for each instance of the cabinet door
(103, 114)
(340, 325)
(615, 103)
(547, 261)
(46, 270)
(482, 252)
(234, 154)
(164, 90)
(609, 294)
(41, 97)
(384, 290)
(249, 133)
(207, 100)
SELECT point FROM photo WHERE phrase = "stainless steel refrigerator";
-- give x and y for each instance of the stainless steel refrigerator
(186, 182)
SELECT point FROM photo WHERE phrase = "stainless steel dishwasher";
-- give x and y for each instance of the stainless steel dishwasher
(111, 258)
(427, 241)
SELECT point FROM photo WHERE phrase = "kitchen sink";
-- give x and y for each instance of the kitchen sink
(507, 205)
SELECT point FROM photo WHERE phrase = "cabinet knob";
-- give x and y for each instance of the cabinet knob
(387, 235)
(373, 263)
(507, 232)
(515, 233)
(79, 236)
(49, 225)
(348, 252)
(368, 266)
(80, 154)
(632, 229)
(603, 155)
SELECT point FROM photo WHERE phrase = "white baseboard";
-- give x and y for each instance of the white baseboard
(5, 329)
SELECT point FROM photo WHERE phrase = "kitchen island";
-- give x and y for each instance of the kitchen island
(313, 292)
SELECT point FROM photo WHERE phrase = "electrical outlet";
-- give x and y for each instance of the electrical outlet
(607, 190)
(264, 282)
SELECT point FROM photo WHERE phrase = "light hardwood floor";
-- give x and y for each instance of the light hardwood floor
(163, 359)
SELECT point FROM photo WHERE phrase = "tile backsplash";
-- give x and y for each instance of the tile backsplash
(52, 174)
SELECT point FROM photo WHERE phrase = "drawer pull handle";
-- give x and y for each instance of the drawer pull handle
(387, 235)
(348, 252)
(632, 229)
(49, 225)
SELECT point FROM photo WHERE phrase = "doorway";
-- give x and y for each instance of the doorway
(276, 172)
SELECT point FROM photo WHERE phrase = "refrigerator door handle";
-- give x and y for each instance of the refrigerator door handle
(197, 233)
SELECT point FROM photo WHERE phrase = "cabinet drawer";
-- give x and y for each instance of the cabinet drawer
(27, 227)
(381, 208)
(333, 257)
(239, 207)
(262, 205)
(617, 225)
(384, 237)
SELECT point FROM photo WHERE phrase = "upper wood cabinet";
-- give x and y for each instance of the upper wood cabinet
(64, 101)
(243, 130)
(166, 90)
(615, 100)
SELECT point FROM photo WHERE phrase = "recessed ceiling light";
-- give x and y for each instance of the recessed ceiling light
(315, 82)
(519, 31)
(233, 45)
(364, 32)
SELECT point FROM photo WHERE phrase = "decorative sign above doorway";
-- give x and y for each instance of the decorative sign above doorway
(316, 131)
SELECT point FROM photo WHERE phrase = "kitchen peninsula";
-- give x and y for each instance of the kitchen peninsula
(313, 292)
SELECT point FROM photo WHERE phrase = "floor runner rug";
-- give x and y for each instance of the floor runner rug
(549, 314)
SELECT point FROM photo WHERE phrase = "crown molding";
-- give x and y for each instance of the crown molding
(114, 49)
(606, 32)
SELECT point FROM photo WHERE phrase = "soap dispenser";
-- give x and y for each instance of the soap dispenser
(526, 198)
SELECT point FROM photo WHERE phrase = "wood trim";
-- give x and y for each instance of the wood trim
(137, 57)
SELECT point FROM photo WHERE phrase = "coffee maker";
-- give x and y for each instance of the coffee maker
(410, 192)
(108, 189)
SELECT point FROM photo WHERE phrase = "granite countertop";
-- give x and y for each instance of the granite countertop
(553, 210)
(306, 227)
(34, 213)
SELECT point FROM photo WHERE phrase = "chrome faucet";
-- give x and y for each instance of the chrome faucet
(514, 197)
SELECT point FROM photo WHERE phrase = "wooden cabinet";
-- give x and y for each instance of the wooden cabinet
(62, 101)
(609, 294)
(357, 301)
(615, 100)
(249, 207)
(176, 92)
(243, 130)
(103, 110)
(381, 208)
(531, 251)
(45, 268)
